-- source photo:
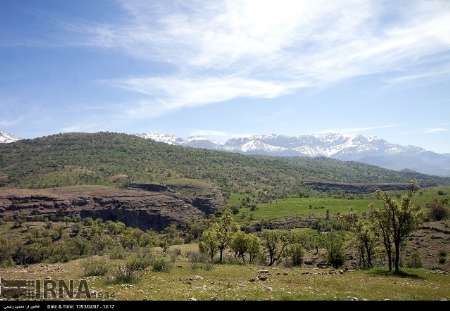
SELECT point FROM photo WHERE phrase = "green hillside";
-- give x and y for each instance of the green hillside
(111, 158)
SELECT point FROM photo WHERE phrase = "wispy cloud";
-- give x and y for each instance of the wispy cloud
(223, 50)
(162, 94)
(436, 130)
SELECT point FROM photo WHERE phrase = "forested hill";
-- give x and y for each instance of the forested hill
(111, 158)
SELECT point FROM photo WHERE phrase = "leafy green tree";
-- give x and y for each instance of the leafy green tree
(209, 243)
(334, 244)
(381, 221)
(240, 244)
(365, 241)
(275, 243)
(254, 247)
(224, 227)
(400, 217)
(295, 251)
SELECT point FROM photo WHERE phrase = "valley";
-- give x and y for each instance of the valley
(146, 220)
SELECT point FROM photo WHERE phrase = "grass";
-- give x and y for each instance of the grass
(318, 206)
(232, 282)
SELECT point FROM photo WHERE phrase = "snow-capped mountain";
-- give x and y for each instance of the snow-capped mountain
(369, 150)
(6, 138)
(163, 138)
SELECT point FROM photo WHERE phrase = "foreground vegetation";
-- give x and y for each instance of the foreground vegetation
(347, 257)
(185, 281)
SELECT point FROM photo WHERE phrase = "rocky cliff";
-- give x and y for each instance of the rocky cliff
(136, 207)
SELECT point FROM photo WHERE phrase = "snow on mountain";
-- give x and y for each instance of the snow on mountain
(163, 138)
(6, 138)
(359, 148)
(200, 142)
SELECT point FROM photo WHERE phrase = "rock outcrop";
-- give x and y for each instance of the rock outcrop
(135, 207)
(357, 188)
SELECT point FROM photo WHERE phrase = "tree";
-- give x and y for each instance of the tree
(365, 240)
(295, 252)
(381, 221)
(334, 245)
(240, 244)
(209, 242)
(254, 247)
(225, 227)
(275, 243)
(397, 219)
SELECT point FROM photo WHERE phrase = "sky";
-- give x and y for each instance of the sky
(227, 68)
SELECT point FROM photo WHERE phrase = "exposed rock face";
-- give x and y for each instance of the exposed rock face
(136, 208)
(150, 187)
(356, 188)
(285, 224)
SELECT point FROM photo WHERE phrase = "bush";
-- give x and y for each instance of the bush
(123, 274)
(438, 211)
(174, 254)
(7, 250)
(334, 245)
(198, 260)
(442, 257)
(296, 254)
(95, 267)
(117, 252)
(140, 262)
(414, 261)
(161, 264)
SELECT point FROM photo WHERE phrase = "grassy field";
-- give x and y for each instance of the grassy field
(318, 206)
(234, 282)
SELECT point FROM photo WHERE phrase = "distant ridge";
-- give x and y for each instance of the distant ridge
(369, 150)
(6, 138)
(118, 159)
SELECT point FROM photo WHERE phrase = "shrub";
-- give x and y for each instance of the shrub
(414, 261)
(123, 274)
(117, 252)
(95, 267)
(7, 249)
(198, 260)
(442, 257)
(161, 264)
(295, 252)
(197, 257)
(174, 254)
(139, 262)
(208, 266)
(438, 211)
(334, 245)
(235, 209)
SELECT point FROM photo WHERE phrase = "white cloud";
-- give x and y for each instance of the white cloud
(165, 94)
(226, 49)
(436, 130)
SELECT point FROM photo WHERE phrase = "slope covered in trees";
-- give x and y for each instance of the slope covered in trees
(111, 158)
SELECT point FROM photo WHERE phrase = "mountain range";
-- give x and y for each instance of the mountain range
(6, 138)
(359, 148)
(107, 158)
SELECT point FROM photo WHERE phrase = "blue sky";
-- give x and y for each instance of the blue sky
(227, 68)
